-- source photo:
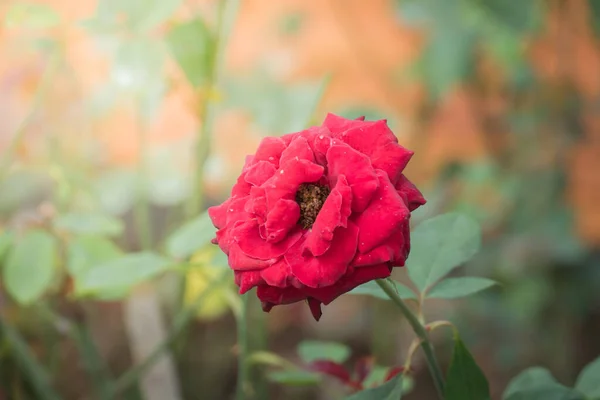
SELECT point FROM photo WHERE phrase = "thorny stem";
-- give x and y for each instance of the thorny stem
(421, 332)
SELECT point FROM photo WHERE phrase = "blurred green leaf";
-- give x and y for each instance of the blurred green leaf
(588, 381)
(115, 190)
(294, 378)
(190, 237)
(122, 273)
(518, 16)
(30, 268)
(22, 188)
(372, 289)
(310, 350)
(440, 244)
(6, 241)
(537, 383)
(391, 390)
(31, 16)
(291, 23)
(86, 223)
(453, 288)
(193, 47)
(464, 379)
(595, 14)
(83, 252)
(279, 109)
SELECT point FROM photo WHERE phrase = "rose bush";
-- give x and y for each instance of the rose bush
(318, 212)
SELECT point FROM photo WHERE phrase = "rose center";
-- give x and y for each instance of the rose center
(310, 198)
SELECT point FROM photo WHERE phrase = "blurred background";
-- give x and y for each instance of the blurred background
(121, 120)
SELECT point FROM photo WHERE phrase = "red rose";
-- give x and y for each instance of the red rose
(316, 213)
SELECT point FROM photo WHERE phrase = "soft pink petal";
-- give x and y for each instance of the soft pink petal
(297, 150)
(270, 149)
(277, 274)
(275, 296)
(285, 182)
(239, 261)
(391, 251)
(337, 124)
(246, 280)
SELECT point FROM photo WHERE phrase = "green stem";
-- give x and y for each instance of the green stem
(226, 16)
(92, 361)
(35, 373)
(142, 208)
(421, 332)
(242, 345)
(181, 321)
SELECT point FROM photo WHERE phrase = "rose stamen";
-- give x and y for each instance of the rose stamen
(310, 198)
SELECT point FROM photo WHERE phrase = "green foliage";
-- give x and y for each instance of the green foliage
(294, 377)
(121, 274)
(281, 109)
(373, 289)
(455, 239)
(193, 47)
(588, 381)
(453, 288)
(464, 379)
(31, 16)
(30, 268)
(191, 237)
(310, 351)
(391, 390)
(86, 223)
(6, 240)
(20, 188)
(84, 252)
(537, 383)
(140, 15)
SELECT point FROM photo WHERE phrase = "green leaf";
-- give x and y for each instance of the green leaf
(464, 379)
(439, 245)
(115, 190)
(310, 351)
(294, 378)
(391, 390)
(594, 6)
(519, 17)
(140, 15)
(30, 268)
(83, 252)
(22, 188)
(453, 288)
(537, 383)
(372, 289)
(121, 274)
(193, 47)
(85, 223)
(30, 15)
(6, 241)
(588, 381)
(190, 237)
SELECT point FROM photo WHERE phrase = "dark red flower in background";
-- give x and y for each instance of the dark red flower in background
(316, 213)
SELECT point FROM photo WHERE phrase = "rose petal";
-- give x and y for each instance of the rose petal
(344, 160)
(351, 280)
(327, 269)
(247, 236)
(246, 280)
(337, 124)
(297, 150)
(378, 142)
(256, 205)
(270, 149)
(275, 295)
(392, 250)
(385, 215)
(285, 182)
(282, 218)
(277, 274)
(259, 173)
(239, 261)
(412, 196)
(334, 213)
